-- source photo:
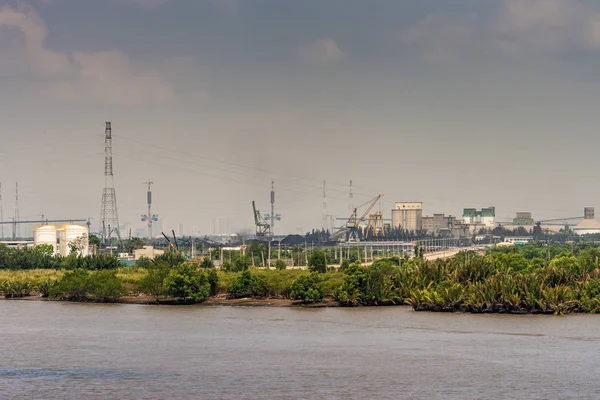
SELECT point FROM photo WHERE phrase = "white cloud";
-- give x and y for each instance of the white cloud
(441, 37)
(108, 77)
(323, 51)
(519, 26)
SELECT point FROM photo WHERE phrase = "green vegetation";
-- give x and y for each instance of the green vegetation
(308, 288)
(186, 282)
(82, 285)
(533, 278)
(318, 261)
(247, 284)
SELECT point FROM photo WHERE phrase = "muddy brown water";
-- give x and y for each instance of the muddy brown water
(54, 350)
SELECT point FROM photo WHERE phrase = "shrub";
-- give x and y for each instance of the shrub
(280, 265)
(213, 281)
(104, 286)
(345, 264)
(81, 285)
(153, 282)
(308, 288)
(186, 282)
(73, 286)
(207, 263)
(247, 284)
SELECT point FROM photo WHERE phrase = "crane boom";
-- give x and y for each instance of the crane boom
(354, 222)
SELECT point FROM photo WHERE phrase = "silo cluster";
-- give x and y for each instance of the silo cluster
(62, 238)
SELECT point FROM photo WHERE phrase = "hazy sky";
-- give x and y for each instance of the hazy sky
(456, 103)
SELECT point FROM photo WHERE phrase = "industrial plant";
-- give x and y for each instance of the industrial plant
(368, 224)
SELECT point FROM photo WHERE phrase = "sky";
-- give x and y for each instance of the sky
(455, 103)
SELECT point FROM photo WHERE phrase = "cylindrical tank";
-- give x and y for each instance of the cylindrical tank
(45, 234)
(74, 234)
(397, 218)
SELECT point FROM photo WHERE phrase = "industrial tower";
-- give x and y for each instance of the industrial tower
(272, 217)
(109, 219)
(272, 207)
(150, 218)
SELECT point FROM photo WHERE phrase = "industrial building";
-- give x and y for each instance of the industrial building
(486, 217)
(148, 252)
(408, 216)
(441, 225)
(523, 219)
(63, 239)
(589, 225)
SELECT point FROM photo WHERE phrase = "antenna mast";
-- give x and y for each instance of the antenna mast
(109, 219)
(150, 218)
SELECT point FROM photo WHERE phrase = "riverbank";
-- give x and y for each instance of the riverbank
(504, 281)
(219, 301)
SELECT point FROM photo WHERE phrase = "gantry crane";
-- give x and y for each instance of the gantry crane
(353, 223)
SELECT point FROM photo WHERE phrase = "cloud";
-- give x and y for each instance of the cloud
(146, 3)
(517, 27)
(323, 51)
(440, 38)
(107, 77)
(229, 6)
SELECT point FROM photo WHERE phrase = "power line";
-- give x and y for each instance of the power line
(236, 165)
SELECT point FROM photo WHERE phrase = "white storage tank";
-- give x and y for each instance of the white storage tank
(45, 234)
(69, 234)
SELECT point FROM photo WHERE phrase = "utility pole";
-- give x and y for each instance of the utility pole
(16, 228)
(324, 207)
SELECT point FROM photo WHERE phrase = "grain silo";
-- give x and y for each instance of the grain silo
(408, 216)
(45, 234)
(77, 235)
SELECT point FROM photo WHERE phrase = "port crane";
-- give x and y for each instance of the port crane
(263, 228)
(174, 246)
(350, 229)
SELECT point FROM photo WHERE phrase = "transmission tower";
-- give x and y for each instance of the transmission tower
(16, 228)
(109, 219)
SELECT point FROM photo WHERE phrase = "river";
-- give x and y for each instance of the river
(52, 350)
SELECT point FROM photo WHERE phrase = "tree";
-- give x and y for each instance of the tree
(308, 288)
(94, 240)
(280, 265)
(317, 261)
(246, 284)
(207, 263)
(153, 282)
(78, 245)
(186, 282)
